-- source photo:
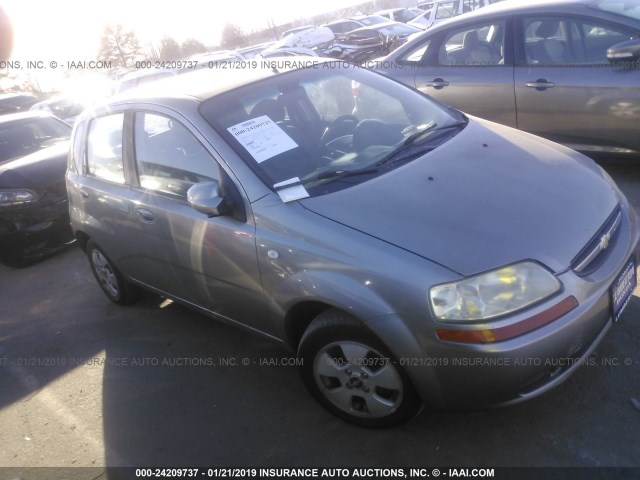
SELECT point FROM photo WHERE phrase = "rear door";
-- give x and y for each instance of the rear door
(103, 194)
(567, 91)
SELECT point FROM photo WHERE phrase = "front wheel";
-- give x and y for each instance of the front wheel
(353, 375)
(109, 278)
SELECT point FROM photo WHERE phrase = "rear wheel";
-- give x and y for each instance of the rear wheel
(353, 375)
(109, 278)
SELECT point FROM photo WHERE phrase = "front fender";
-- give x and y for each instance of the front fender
(344, 291)
(358, 298)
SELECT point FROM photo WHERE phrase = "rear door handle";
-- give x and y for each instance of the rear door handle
(84, 193)
(541, 84)
(145, 215)
(436, 83)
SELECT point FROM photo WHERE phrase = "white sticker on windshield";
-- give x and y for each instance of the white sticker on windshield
(262, 138)
(291, 190)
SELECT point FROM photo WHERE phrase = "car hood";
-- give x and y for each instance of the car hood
(488, 197)
(38, 169)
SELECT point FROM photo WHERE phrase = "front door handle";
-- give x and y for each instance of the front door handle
(83, 193)
(541, 84)
(436, 83)
(145, 215)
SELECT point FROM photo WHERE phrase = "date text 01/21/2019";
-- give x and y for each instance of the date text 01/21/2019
(313, 472)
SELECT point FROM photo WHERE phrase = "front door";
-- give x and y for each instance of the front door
(210, 262)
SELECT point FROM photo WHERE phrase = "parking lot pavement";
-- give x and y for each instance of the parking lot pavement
(84, 382)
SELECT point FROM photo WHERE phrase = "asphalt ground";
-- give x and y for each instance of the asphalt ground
(86, 383)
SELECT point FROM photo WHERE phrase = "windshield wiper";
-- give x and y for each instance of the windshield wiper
(337, 174)
(406, 150)
(406, 147)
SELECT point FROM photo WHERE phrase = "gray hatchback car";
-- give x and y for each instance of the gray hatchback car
(410, 255)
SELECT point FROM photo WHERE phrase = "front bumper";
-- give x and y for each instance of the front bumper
(451, 375)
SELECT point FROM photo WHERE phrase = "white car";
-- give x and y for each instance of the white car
(438, 10)
(403, 15)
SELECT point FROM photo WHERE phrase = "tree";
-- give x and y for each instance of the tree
(232, 36)
(169, 49)
(192, 47)
(119, 47)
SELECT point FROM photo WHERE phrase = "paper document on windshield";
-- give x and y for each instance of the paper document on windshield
(291, 190)
(262, 137)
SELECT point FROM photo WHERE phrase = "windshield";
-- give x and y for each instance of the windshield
(372, 20)
(315, 127)
(627, 8)
(398, 29)
(26, 136)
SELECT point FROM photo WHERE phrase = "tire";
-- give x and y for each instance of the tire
(351, 373)
(109, 278)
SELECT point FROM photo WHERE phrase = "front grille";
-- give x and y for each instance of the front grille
(596, 250)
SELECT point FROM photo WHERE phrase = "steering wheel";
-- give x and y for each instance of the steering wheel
(341, 126)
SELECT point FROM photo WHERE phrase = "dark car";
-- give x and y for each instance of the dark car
(409, 254)
(365, 43)
(351, 23)
(384, 31)
(16, 102)
(34, 213)
(567, 70)
(65, 108)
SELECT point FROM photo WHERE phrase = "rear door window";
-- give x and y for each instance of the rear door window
(104, 152)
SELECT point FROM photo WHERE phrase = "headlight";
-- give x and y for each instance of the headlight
(494, 293)
(17, 197)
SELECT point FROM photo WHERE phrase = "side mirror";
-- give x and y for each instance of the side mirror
(625, 52)
(205, 197)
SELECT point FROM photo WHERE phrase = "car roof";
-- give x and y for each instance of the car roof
(511, 7)
(12, 117)
(299, 29)
(356, 18)
(519, 6)
(146, 73)
(379, 26)
(342, 20)
(205, 83)
(215, 55)
(4, 96)
(389, 10)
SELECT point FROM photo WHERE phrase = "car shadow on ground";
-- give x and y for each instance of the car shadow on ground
(218, 396)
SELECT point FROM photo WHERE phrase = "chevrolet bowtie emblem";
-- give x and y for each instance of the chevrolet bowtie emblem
(604, 241)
